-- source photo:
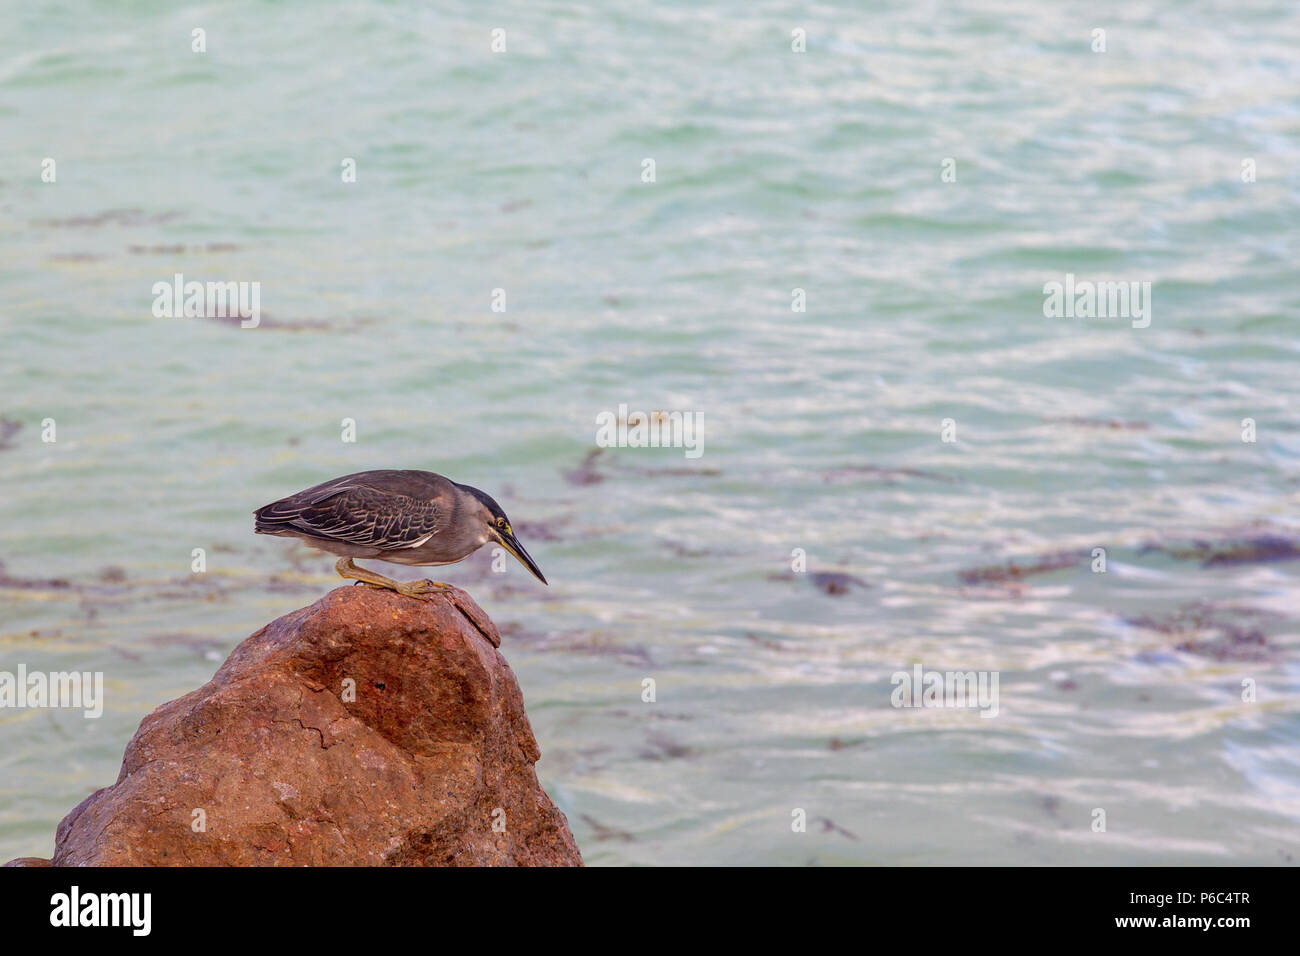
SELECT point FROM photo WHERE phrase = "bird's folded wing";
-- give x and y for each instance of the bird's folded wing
(366, 516)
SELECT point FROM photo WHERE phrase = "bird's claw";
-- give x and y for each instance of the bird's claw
(422, 589)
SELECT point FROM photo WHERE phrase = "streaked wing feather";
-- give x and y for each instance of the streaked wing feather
(368, 517)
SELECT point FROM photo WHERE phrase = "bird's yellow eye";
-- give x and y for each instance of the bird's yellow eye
(501, 523)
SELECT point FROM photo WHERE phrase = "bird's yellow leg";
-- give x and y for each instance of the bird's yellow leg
(414, 589)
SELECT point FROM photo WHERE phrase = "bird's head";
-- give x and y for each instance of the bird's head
(495, 526)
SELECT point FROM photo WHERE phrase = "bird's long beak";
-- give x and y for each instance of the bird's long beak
(511, 544)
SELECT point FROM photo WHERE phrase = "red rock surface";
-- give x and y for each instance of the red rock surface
(430, 765)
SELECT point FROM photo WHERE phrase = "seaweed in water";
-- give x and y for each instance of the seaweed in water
(31, 584)
(1248, 549)
(8, 429)
(1207, 630)
(834, 583)
(830, 826)
(1011, 571)
(603, 833)
(586, 473)
(663, 747)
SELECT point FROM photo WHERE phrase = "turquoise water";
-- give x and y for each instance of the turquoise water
(774, 171)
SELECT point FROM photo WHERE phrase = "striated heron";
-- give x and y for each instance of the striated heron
(404, 517)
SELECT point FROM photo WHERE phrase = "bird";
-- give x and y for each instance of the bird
(403, 517)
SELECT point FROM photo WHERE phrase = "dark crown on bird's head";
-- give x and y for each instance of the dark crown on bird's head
(487, 501)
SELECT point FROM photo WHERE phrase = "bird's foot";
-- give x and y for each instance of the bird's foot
(421, 589)
(412, 589)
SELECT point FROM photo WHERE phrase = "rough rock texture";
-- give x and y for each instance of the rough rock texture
(415, 771)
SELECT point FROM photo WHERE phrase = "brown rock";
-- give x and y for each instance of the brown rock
(434, 749)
